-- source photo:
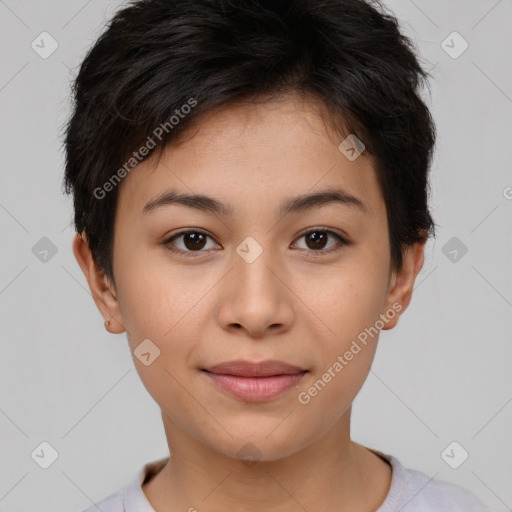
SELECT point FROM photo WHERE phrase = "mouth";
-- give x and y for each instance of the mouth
(243, 368)
(255, 382)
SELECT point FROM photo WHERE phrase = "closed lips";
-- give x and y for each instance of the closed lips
(243, 368)
(255, 382)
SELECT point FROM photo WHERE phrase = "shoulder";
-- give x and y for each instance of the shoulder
(112, 503)
(414, 491)
(130, 498)
(427, 493)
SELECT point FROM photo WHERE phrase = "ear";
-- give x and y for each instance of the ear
(102, 289)
(401, 282)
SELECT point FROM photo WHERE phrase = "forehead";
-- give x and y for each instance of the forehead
(250, 156)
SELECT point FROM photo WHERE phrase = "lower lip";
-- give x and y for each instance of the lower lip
(255, 389)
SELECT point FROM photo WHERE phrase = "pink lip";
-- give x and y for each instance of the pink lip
(255, 382)
(255, 389)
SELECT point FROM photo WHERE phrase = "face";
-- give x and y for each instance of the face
(288, 260)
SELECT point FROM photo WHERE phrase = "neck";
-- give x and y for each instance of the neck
(333, 472)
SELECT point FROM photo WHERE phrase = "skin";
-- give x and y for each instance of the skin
(288, 305)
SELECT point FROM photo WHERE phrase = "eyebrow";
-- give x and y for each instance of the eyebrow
(292, 205)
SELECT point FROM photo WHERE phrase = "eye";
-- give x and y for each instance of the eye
(193, 241)
(316, 241)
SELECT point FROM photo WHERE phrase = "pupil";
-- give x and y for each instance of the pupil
(197, 240)
(318, 238)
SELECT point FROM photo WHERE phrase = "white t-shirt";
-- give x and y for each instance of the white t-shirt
(410, 491)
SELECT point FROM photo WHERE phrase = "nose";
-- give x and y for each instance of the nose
(256, 297)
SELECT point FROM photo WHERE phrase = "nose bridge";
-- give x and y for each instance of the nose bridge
(256, 299)
(253, 264)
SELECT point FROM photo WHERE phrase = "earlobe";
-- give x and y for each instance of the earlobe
(99, 284)
(402, 282)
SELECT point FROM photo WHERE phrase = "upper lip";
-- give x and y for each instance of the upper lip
(243, 368)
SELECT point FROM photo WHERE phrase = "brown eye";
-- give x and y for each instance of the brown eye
(317, 240)
(192, 241)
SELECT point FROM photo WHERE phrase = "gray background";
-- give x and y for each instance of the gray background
(442, 375)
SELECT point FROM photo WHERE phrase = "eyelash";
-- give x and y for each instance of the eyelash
(341, 242)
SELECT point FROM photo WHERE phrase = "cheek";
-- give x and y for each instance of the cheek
(154, 295)
(173, 333)
(347, 310)
(347, 350)
(158, 303)
(344, 300)
(329, 394)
